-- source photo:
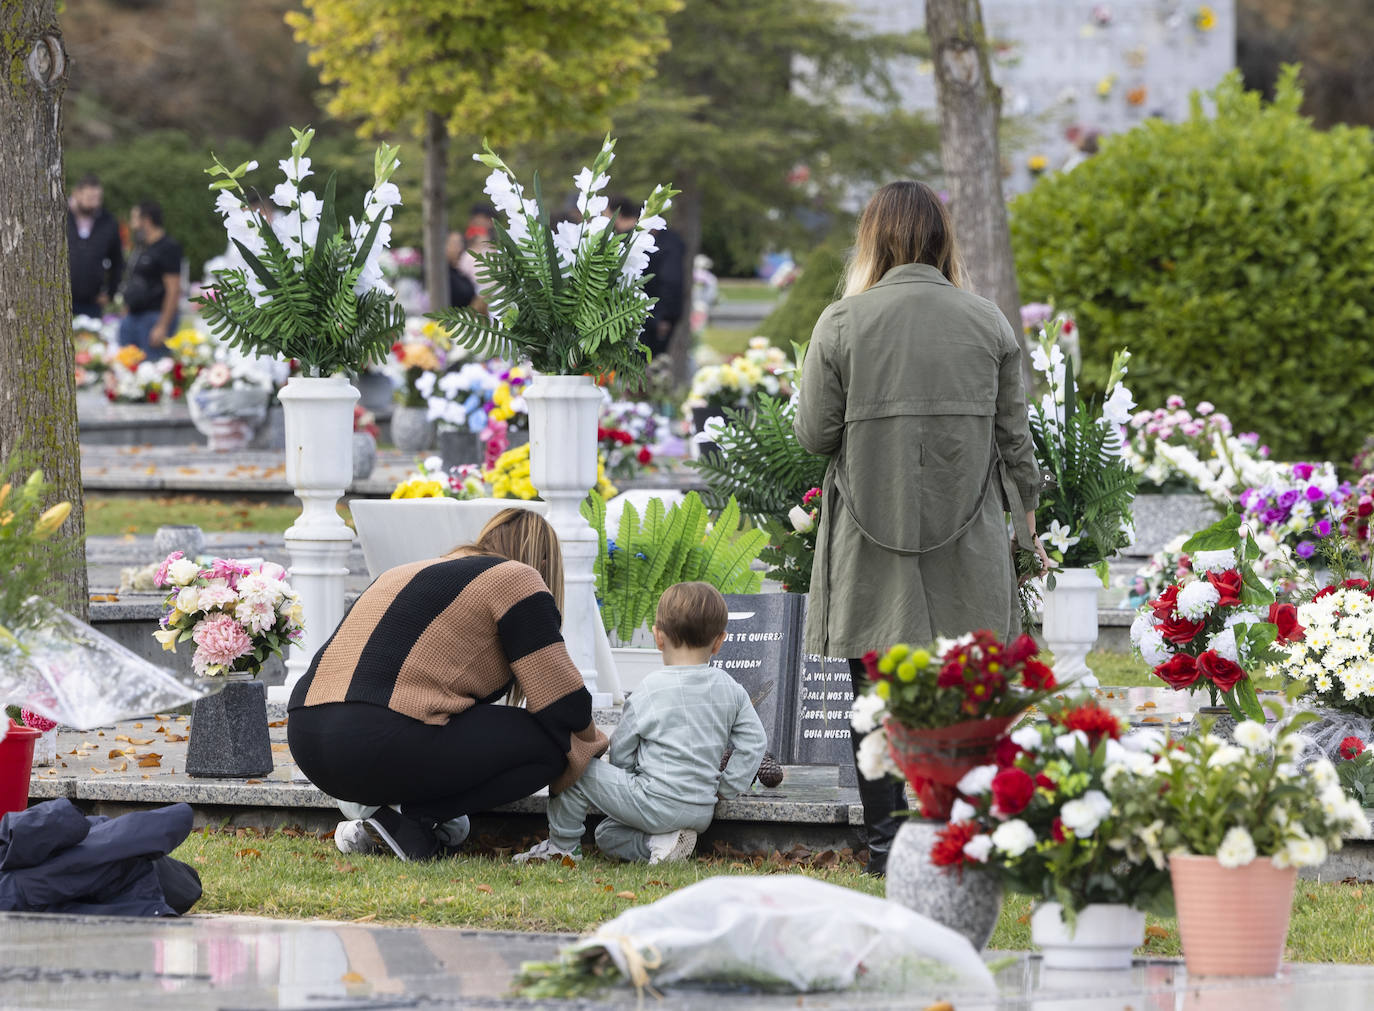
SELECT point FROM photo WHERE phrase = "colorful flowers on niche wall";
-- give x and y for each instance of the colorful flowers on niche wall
(432, 480)
(736, 382)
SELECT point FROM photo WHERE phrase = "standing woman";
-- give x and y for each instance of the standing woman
(912, 386)
(398, 707)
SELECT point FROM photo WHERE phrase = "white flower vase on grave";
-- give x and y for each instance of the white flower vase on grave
(228, 417)
(1070, 624)
(319, 466)
(1104, 936)
(563, 415)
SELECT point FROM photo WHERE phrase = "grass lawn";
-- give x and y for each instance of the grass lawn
(114, 515)
(726, 341)
(1126, 671)
(752, 290)
(294, 875)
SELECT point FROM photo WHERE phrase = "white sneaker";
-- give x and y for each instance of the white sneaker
(669, 847)
(352, 837)
(546, 850)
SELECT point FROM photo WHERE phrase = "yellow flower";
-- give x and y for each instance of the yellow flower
(436, 333)
(168, 637)
(129, 356)
(52, 519)
(907, 671)
(883, 690)
(899, 652)
(418, 487)
(921, 658)
(1037, 163)
(4, 493)
(1205, 18)
(1105, 86)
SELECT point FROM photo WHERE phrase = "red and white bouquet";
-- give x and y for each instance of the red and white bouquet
(237, 615)
(1219, 622)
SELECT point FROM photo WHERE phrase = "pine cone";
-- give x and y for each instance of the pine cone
(770, 772)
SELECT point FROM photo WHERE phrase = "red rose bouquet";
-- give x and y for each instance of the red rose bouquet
(1040, 817)
(933, 715)
(1217, 624)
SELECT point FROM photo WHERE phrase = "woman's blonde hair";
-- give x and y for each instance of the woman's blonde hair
(904, 222)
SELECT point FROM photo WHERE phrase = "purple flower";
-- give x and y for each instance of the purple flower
(1289, 498)
(1247, 499)
(1306, 549)
(1314, 494)
(1323, 528)
(1274, 516)
(1302, 471)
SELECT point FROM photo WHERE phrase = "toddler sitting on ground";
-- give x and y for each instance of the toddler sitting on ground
(663, 778)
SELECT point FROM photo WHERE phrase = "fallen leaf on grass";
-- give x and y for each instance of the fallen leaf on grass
(365, 919)
(624, 895)
(1024, 919)
(248, 852)
(342, 868)
(352, 977)
(567, 861)
(608, 888)
(486, 888)
(1162, 933)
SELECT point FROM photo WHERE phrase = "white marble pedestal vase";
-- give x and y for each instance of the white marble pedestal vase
(968, 903)
(229, 737)
(319, 466)
(1070, 624)
(563, 412)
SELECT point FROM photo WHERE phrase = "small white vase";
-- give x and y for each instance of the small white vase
(1104, 937)
(563, 416)
(319, 466)
(1070, 624)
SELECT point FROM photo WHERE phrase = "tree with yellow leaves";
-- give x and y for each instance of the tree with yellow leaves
(504, 70)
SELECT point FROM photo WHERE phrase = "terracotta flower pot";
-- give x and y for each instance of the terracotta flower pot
(934, 760)
(1232, 921)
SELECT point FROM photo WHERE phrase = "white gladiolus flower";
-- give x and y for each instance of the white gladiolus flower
(1196, 600)
(285, 195)
(1252, 736)
(1237, 849)
(1060, 536)
(962, 810)
(977, 781)
(182, 572)
(1027, 739)
(978, 848)
(1013, 837)
(1213, 561)
(802, 520)
(1116, 410)
(873, 759)
(866, 712)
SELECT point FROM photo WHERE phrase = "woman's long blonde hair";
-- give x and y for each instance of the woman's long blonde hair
(522, 535)
(904, 222)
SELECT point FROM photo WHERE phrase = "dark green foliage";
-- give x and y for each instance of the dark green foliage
(818, 286)
(1235, 254)
(789, 556)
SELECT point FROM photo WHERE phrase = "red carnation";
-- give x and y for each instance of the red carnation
(1038, 676)
(1223, 673)
(1163, 606)
(1178, 672)
(602, 434)
(1180, 630)
(1044, 782)
(951, 675)
(1093, 720)
(1285, 616)
(1007, 752)
(1365, 507)
(1057, 829)
(1350, 747)
(1228, 584)
(153, 396)
(1022, 649)
(948, 850)
(644, 456)
(42, 724)
(1012, 790)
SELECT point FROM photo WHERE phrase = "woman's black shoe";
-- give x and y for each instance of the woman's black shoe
(407, 838)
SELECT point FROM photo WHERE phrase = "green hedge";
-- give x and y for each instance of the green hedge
(816, 287)
(1233, 254)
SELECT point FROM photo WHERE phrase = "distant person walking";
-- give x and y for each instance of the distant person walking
(912, 386)
(668, 283)
(462, 271)
(153, 290)
(93, 248)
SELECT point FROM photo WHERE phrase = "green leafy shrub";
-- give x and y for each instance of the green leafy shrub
(1234, 254)
(817, 286)
(667, 546)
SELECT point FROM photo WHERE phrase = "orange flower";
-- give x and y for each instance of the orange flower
(1136, 96)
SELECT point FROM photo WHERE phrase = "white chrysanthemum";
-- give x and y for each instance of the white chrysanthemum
(1292, 746)
(1196, 600)
(1143, 620)
(1027, 738)
(1213, 561)
(1237, 849)
(1083, 815)
(1153, 649)
(1244, 618)
(977, 781)
(979, 847)
(1013, 837)
(1252, 736)
(962, 810)
(1227, 754)
(1143, 740)
(1306, 852)
(866, 712)
(1224, 644)
(874, 760)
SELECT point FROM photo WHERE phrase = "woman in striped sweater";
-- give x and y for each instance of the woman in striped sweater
(397, 710)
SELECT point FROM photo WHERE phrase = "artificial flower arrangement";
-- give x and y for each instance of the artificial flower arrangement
(1356, 770)
(25, 526)
(309, 287)
(1176, 427)
(238, 376)
(432, 480)
(738, 381)
(1167, 565)
(1218, 624)
(423, 351)
(792, 545)
(132, 379)
(236, 614)
(1300, 505)
(933, 714)
(1085, 516)
(365, 422)
(93, 350)
(510, 476)
(1039, 816)
(568, 297)
(626, 435)
(1329, 647)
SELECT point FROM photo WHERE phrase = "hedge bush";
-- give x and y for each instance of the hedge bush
(817, 286)
(1233, 254)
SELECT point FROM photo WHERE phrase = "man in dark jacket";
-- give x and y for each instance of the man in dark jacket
(93, 248)
(666, 264)
(153, 292)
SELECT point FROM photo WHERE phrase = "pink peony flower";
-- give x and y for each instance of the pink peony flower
(160, 578)
(40, 723)
(220, 641)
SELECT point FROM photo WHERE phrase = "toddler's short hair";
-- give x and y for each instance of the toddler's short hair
(692, 614)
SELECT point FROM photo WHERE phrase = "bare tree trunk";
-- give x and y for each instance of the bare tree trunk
(970, 105)
(37, 370)
(687, 219)
(435, 212)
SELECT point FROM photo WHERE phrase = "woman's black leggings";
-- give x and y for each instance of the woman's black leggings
(482, 758)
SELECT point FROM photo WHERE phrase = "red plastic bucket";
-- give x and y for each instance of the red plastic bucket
(16, 766)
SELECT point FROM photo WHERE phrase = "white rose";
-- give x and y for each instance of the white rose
(962, 810)
(1013, 837)
(979, 847)
(1237, 849)
(1080, 817)
(188, 599)
(977, 781)
(1027, 739)
(802, 521)
(1252, 736)
(183, 572)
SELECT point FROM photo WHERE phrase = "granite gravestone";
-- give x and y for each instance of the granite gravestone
(762, 652)
(820, 718)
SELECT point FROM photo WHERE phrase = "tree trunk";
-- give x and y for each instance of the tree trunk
(435, 213)
(37, 370)
(687, 219)
(970, 105)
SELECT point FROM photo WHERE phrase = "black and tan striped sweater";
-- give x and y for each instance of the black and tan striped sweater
(434, 638)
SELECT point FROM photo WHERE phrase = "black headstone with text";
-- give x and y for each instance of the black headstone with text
(820, 728)
(762, 652)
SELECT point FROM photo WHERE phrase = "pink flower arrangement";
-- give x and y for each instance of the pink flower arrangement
(236, 614)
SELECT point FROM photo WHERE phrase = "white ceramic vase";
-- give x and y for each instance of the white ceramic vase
(1070, 624)
(319, 466)
(563, 415)
(1104, 936)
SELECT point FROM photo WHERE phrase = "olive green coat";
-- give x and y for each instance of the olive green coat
(914, 390)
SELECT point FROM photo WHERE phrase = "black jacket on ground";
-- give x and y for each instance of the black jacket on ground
(97, 262)
(54, 859)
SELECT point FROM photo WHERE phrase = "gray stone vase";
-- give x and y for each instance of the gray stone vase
(411, 429)
(229, 732)
(967, 902)
(364, 455)
(189, 539)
